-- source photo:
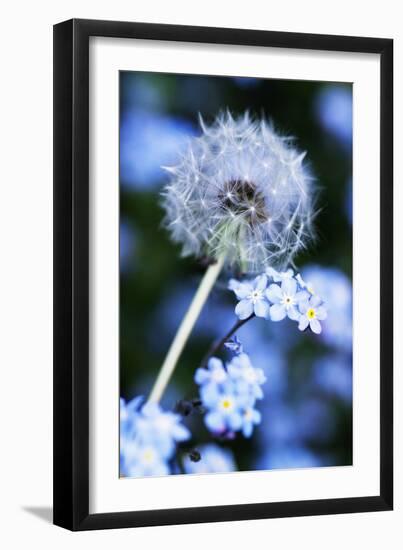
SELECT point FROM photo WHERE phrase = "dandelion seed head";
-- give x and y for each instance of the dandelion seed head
(241, 191)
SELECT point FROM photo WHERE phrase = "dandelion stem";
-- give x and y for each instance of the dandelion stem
(217, 345)
(184, 330)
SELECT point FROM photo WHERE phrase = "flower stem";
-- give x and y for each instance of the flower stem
(184, 330)
(217, 345)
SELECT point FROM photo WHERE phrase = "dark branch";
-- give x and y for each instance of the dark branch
(217, 345)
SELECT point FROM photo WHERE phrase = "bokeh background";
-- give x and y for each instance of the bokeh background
(307, 408)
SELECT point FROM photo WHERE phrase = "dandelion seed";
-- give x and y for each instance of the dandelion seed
(241, 162)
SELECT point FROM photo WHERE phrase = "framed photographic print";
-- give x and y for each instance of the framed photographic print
(223, 322)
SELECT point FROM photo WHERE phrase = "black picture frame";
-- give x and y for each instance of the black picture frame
(71, 274)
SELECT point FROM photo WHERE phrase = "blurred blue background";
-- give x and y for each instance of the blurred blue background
(307, 409)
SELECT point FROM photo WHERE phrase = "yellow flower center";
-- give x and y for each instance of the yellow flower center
(311, 313)
(148, 456)
(226, 403)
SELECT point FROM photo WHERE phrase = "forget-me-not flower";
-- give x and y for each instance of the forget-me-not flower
(128, 414)
(251, 296)
(215, 373)
(148, 438)
(229, 395)
(335, 288)
(312, 312)
(162, 429)
(250, 418)
(285, 299)
(224, 414)
(141, 459)
(246, 377)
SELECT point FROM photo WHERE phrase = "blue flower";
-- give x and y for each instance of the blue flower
(215, 373)
(142, 459)
(285, 299)
(160, 429)
(214, 459)
(247, 379)
(128, 414)
(335, 289)
(252, 297)
(287, 296)
(148, 438)
(229, 395)
(225, 413)
(250, 418)
(312, 311)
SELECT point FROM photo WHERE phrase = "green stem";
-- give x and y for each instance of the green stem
(184, 330)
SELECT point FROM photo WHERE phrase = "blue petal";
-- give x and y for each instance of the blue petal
(302, 296)
(303, 322)
(244, 309)
(214, 422)
(243, 290)
(315, 326)
(262, 309)
(321, 313)
(181, 433)
(274, 294)
(256, 417)
(201, 376)
(277, 312)
(293, 313)
(235, 421)
(260, 282)
(209, 394)
(215, 363)
(247, 429)
(289, 286)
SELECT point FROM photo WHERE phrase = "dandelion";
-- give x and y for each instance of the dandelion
(241, 195)
(242, 192)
